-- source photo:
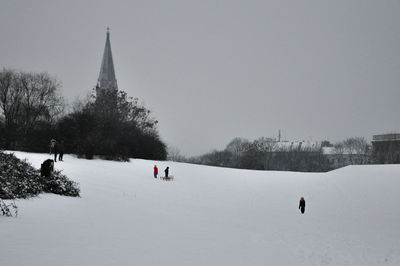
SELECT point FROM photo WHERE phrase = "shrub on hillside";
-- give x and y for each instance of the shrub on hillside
(60, 184)
(18, 179)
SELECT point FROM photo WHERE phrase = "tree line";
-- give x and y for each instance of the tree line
(268, 154)
(112, 125)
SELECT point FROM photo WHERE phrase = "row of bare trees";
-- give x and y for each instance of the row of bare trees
(268, 154)
(353, 145)
(27, 100)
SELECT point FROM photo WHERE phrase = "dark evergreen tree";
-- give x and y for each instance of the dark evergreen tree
(113, 126)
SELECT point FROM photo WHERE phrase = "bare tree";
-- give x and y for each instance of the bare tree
(25, 99)
(174, 154)
(266, 144)
(40, 99)
(353, 145)
(267, 147)
(237, 147)
(354, 150)
(10, 96)
(10, 103)
(339, 148)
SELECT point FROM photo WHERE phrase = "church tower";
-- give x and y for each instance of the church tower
(107, 80)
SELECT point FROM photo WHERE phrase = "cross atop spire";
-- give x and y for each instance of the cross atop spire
(107, 80)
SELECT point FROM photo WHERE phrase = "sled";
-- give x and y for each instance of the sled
(168, 178)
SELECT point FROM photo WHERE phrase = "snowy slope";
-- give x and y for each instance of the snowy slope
(207, 216)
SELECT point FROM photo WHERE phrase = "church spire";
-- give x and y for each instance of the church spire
(107, 80)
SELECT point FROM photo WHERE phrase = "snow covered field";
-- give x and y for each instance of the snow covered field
(207, 216)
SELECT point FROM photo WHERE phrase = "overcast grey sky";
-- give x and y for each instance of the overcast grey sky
(214, 70)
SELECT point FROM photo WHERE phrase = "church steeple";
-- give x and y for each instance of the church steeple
(107, 80)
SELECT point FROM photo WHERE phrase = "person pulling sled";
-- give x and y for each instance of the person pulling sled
(166, 171)
(302, 205)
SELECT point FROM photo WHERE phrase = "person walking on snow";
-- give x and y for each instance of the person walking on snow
(60, 147)
(302, 205)
(55, 150)
(52, 144)
(155, 171)
(166, 171)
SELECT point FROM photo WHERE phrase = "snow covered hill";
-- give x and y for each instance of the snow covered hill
(207, 216)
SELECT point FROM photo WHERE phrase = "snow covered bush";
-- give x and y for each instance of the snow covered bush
(58, 183)
(18, 179)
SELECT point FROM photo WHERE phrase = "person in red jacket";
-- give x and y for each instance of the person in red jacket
(155, 171)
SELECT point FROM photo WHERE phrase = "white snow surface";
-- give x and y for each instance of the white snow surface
(207, 216)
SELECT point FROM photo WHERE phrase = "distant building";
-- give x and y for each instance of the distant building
(386, 148)
(107, 80)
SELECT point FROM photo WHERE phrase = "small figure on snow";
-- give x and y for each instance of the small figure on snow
(60, 148)
(166, 171)
(52, 144)
(55, 150)
(302, 205)
(155, 171)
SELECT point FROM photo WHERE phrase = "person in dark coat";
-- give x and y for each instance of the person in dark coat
(47, 168)
(155, 171)
(61, 150)
(166, 171)
(302, 205)
(52, 144)
(55, 150)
